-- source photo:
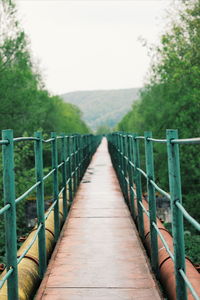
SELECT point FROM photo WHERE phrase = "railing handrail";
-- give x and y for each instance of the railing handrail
(76, 151)
(124, 150)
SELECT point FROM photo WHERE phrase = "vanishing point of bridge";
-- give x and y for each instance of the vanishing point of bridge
(99, 254)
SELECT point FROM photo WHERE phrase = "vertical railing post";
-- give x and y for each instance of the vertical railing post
(64, 174)
(40, 203)
(113, 149)
(69, 170)
(73, 163)
(81, 154)
(116, 147)
(10, 215)
(76, 159)
(119, 167)
(122, 165)
(177, 217)
(125, 154)
(88, 150)
(79, 159)
(130, 172)
(151, 200)
(137, 176)
(85, 150)
(55, 184)
(119, 160)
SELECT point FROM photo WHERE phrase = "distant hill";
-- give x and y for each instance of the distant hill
(103, 107)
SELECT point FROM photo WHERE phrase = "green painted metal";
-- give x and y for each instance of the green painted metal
(4, 142)
(5, 278)
(121, 164)
(10, 214)
(123, 170)
(75, 154)
(40, 203)
(177, 219)
(75, 163)
(125, 155)
(186, 141)
(64, 174)
(163, 241)
(136, 160)
(27, 192)
(69, 171)
(23, 139)
(54, 155)
(190, 219)
(4, 209)
(151, 200)
(79, 158)
(187, 282)
(130, 174)
(30, 245)
(130, 150)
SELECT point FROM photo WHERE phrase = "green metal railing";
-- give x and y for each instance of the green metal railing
(75, 154)
(125, 154)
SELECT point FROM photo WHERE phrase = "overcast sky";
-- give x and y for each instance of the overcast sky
(86, 45)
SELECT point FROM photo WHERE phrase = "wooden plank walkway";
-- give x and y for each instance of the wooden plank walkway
(99, 254)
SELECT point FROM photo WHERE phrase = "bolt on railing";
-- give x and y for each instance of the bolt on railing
(125, 155)
(76, 152)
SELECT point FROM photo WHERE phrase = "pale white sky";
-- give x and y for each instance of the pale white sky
(86, 45)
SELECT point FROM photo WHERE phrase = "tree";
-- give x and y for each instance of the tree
(172, 100)
(25, 106)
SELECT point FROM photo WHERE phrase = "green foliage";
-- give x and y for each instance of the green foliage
(172, 100)
(192, 247)
(192, 244)
(25, 104)
(103, 129)
(25, 107)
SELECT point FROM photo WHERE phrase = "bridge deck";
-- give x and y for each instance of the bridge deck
(99, 254)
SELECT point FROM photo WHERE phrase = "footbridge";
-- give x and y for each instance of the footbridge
(100, 238)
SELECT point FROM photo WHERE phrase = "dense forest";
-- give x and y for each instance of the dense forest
(171, 100)
(26, 106)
